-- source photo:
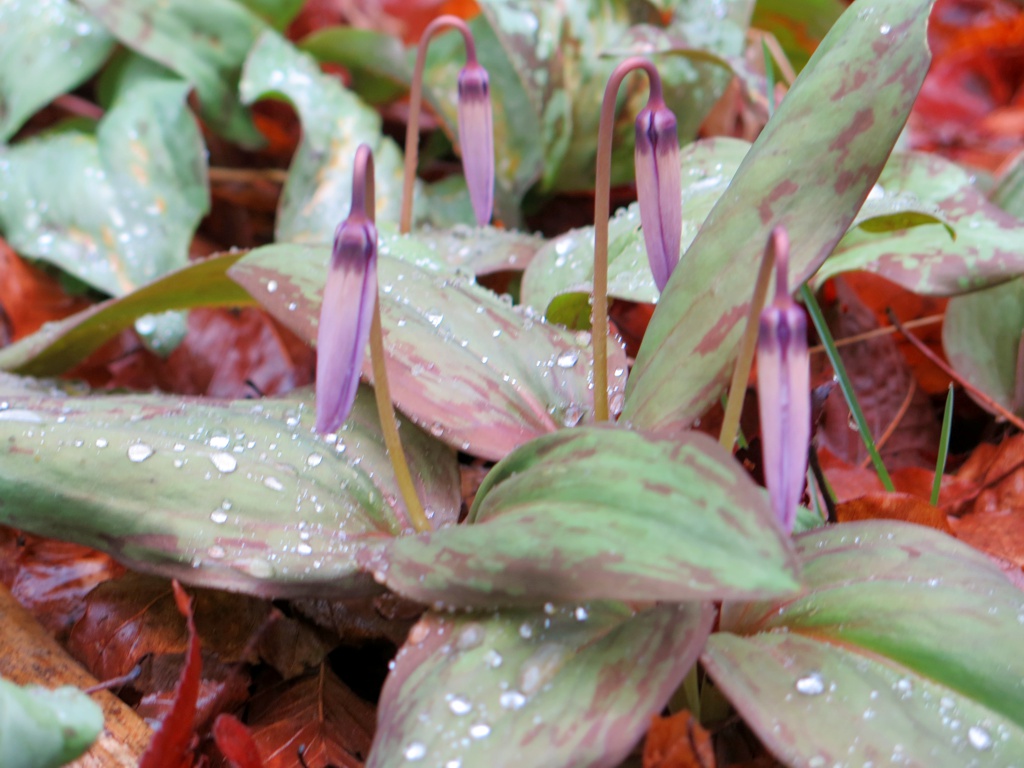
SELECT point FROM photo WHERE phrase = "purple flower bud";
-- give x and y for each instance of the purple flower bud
(476, 136)
(659, 188)
(345, 318)
(783, 392)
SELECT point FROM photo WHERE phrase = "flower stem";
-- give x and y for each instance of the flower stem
(412, 131)
(940, 462)
(741, 373)
(602, 203)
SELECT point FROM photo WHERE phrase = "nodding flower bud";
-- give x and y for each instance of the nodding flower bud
(476, 135)
(659, 187)
(783, 391)
(348, 303)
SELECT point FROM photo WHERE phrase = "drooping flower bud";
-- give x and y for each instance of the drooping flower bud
(659, 187)
(476, 136)
(349, 299)
(783, 391)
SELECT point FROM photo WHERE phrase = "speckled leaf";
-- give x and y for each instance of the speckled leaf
(60, 345)
(810, 170)
(1009, 193)
(204, 41)
(47, 47)
(566, 263)
(117, 209)
(481, 375)
(45, 728)
(981, 336)
(380, 67)
(476, 250)
(318, 193)
(905, 649)
(986, 249)
(602, 513)
(574, 685)
(241, 496)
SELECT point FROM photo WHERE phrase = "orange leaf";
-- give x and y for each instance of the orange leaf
(678, 741)
(893, 506)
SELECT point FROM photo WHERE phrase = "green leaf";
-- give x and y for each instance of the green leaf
(241, 496)
(563, 686)
(797, 24)
(566, 263)
(810, 170)
(476, 250)
(1009, 193)
(278, 13)
(60, 345)
(986, 249)
(480, 374)
(47, 48)
(117, 209)
(204, 41)
(318, 193)
(380, 67)
(601, 513)
(981, 336)
(43, 728)
(904, 648)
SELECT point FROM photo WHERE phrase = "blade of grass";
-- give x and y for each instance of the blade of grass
(769, 74)
(940, 464)
(845, 384)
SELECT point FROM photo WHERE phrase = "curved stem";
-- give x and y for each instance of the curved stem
(602, 203)
(412, 130)
(363, 198)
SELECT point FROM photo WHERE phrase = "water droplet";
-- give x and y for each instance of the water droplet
(810, 685)
(549, 609)
(434, 317)
(101, 443)
(219, 516)
(419, 632)
(460, 706)
(22, 415)
(415, 751)
(219, 441)
(525, 631)
(470, 637)
(581, 614)
(480, 731)
(885, 29)
(568, 359)
(304, 549)
(224, 462)
(216, 552)
(139, 452)
(271, 286)
(273, 484)
(314, 459)
(980, 738)
(493, 659)
(512, 700)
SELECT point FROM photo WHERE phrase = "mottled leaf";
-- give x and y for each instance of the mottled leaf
(47, 47)
(204, 41)
(810, 170)
(44, 728)
(117, 209)
(477, 250)
(904, 649)
(986, 248)
(241, 496)
(563, 686)
(381, 69)
(480, 374)
(58, 346)
(981, 336)
(1009, 194)
(601, 513)
(318, 193)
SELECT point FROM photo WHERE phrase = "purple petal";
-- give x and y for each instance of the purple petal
(345, 318)
(659, 189)
(784, 397)
(476, 136)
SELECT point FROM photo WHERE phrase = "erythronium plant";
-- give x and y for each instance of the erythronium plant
(659, 192)
(476, 133)
(849, 643)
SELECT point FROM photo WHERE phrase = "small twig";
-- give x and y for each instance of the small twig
(944, 367)
(876, 332)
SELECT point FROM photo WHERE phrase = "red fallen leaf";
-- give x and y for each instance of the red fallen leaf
(30, 297)
(172, 744)
(51, 578)
(678, 741)
(236, 743)
(852, 482)
(893, 506)
(317, 712)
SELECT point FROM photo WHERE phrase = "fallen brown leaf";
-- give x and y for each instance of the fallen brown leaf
(678, 741)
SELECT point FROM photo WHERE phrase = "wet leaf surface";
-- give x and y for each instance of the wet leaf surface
(260, 503)
(116, 209)
(810, 170)
(885, 642)
(476, 372)
(623, 517)
(47, 727)
(48, 47)
(553, 687)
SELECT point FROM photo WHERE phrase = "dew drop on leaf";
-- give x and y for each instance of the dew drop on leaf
(493, 659)
(512, 700)
(273, 484)
(460, 705)
(415, 751)
(980, 738)
(810, 685)
(139, 452)
(101, 443)
(224, 462)
(568, 359)
(314, 459)
(480, 731)
(219, 516)
(471, 637)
